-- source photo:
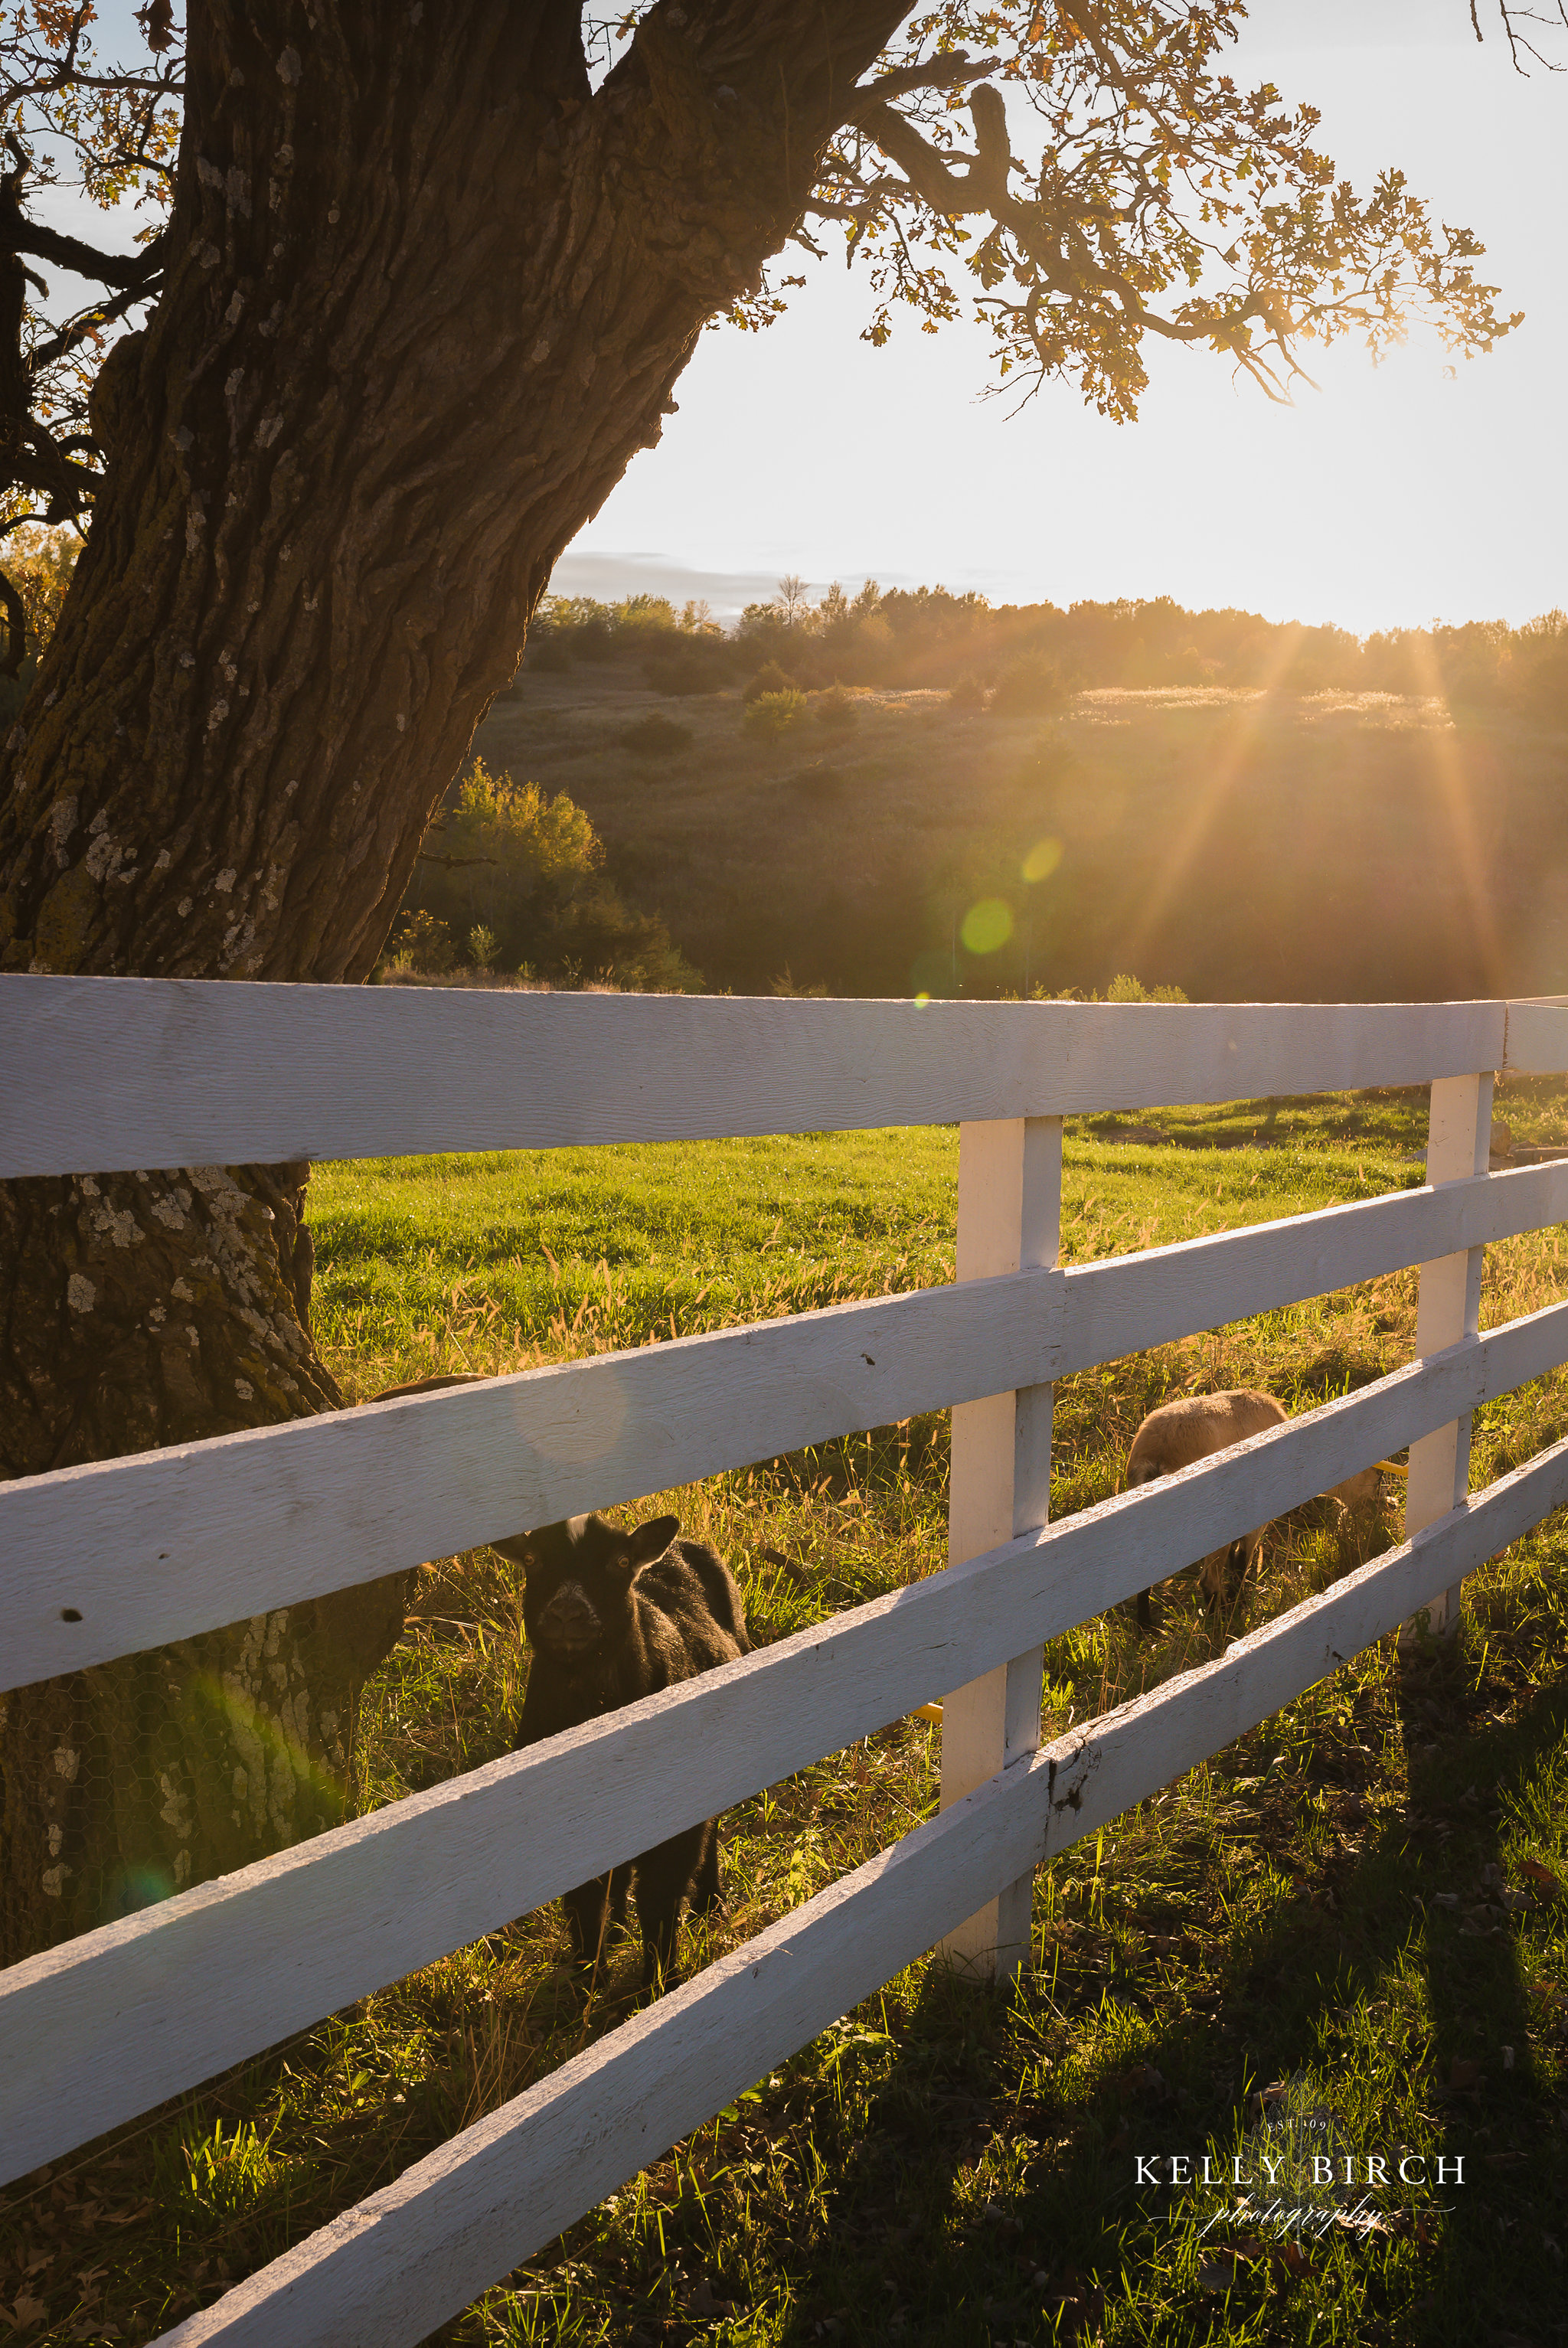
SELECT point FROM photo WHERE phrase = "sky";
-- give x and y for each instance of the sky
(1394, 495)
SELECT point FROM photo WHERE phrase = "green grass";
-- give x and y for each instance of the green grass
(1321, 1904)
(489, 1262)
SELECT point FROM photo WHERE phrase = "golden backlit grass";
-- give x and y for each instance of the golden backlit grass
(945, 2164)
(1241, 845)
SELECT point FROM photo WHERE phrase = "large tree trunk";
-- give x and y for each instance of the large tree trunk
(153, 1309)
(426, 296)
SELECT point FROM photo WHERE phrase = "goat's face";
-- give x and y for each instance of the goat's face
(577, 1597)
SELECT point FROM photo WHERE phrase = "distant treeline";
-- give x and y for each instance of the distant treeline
(1037, 653)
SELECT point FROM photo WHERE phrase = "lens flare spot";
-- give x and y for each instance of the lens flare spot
(1041, 861)
(987, 926)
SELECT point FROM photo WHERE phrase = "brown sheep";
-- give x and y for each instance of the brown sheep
(1176, 1435)
(1195, 1428)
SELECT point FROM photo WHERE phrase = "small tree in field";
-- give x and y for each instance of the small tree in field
(417, 284)
(773, 714)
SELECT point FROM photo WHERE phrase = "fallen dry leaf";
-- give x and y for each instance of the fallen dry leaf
(1075, 2305)
(1291, 2262)
(1143, 2079)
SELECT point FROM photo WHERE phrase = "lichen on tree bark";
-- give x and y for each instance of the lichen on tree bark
(422, 302)
(136, 1310)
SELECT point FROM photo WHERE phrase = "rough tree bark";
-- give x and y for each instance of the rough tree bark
(426, 295)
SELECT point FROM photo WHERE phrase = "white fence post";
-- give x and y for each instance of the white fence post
(1009, 1219)
(1448, 1308)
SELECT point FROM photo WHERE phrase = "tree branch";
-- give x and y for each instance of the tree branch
(86, 323)
(1516, 39)
(69, 253)
(930, 176)
(930, 73)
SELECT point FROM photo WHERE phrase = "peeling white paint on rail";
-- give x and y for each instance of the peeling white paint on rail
(104, 1075)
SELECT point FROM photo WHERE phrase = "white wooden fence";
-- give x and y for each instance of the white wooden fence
(100, 1075)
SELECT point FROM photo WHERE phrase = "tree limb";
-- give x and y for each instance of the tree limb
(930, 73)
(125, 269)
(81, 328)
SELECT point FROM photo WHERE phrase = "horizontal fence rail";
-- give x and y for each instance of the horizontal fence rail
(1535, 1038)
(389, 2271)
(98, 1076)
(1121, 1305)
(101, 2027)
(104, 1075)
(165, 1544)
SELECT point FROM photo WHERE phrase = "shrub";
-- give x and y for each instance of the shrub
(598, 937)
(501, 856)
(502, 849)
(1125, 988)
(593, 638)
(482, 946)
(773, 714)
(770, 679)
(1031, 687)
(549, 653)
(966, 693)
(422, 942)
(654, 736)
(837, 712)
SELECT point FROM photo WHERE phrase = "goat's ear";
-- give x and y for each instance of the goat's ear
(651, 1540)
(519, 1548)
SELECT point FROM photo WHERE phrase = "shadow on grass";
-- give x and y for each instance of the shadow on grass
(989, 2192)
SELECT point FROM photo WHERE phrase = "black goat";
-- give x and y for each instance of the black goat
(613, 1616)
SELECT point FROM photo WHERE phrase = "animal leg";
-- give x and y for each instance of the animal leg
(663, 1877)
(620, 1885)
(1224, 1587)
(1238, 1557)
(587, 1914)
(705, 1898)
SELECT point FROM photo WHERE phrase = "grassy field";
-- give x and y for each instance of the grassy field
(1355, 1903)
(850, 860)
